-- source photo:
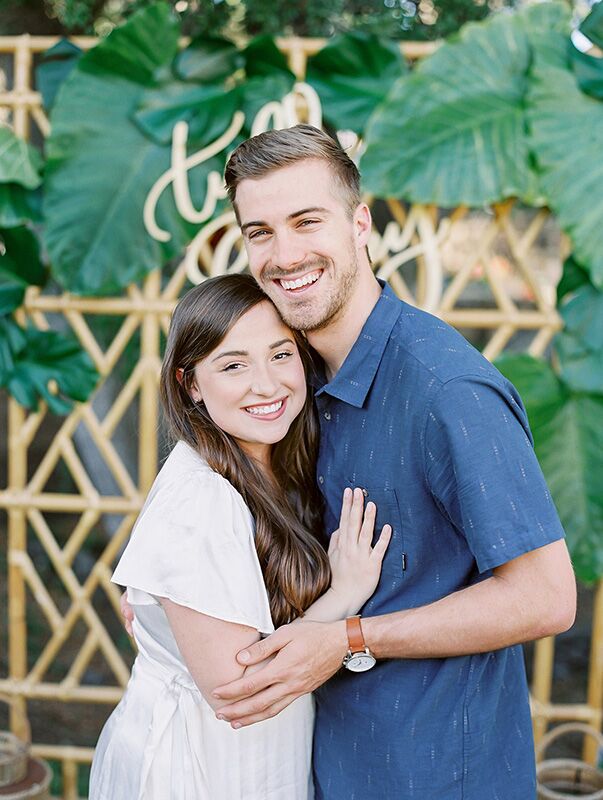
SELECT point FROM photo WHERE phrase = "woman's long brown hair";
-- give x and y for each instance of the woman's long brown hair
(287, 517)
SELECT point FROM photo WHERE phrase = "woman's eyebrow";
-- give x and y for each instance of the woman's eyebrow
(280, 343)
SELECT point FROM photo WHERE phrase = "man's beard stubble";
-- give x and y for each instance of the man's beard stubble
(311, 315)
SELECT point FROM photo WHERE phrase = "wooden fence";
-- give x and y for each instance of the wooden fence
(446, 263)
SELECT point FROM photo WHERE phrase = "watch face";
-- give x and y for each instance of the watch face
(360, 662)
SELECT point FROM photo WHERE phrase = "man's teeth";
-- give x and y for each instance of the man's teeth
(307, 279)
(259, 410)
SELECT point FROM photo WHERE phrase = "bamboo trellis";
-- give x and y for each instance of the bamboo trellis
(418, 239)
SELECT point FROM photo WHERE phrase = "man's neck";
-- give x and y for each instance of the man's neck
(334, 342)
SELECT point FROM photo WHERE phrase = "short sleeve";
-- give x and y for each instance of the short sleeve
(482, 471)
(193, 543)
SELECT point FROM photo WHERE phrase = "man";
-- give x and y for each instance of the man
(433, 434)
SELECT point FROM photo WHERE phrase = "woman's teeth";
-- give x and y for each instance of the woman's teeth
(260, 410)
(305, 281)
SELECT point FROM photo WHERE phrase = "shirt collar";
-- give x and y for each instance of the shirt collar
(355, 377)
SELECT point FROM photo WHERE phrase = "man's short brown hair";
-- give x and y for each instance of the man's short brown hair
(261, 154)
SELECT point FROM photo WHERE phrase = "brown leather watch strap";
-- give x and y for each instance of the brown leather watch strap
(355, 638)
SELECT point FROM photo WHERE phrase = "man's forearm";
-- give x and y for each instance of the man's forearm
(514, 605)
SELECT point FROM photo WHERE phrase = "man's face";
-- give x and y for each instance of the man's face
(301, 242)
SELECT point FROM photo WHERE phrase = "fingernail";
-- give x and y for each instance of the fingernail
(215, 694)
(220, 716)
(243, 655)
(236, 725)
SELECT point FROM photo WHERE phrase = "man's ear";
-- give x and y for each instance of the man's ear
(362, 225)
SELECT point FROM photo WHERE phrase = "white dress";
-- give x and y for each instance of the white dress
(194, 544)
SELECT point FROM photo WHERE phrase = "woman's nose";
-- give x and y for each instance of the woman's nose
(263, 382)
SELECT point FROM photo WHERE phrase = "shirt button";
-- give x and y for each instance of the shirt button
(327, 415)
(321, 479)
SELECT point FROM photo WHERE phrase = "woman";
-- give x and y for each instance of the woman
(226, 548)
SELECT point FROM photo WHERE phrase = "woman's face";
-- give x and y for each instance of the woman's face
(253, 384)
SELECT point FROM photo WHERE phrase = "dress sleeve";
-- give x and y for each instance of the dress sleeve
(193, 543)
(482, 471)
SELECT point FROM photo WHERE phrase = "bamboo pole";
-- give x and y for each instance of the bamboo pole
(595, 673)
(544, 655)
(148, 409)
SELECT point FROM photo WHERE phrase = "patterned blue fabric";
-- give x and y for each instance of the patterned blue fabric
(440, 441)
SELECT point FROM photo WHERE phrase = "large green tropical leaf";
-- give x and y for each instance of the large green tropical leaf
(19, 205)
(208, 60)
(30, 359)
(580, 344)
(19, 162)
(573, 276)
(55, 65)
(20, 266)
(588, 70)
(568, 434)
(352, 75)
(454, 131)
(567, 139)
(592, 26)
(101, 166)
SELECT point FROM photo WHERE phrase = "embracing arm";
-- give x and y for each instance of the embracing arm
(528, 598)
(532, 596)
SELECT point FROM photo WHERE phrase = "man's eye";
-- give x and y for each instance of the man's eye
(306, 222)
(258, 234)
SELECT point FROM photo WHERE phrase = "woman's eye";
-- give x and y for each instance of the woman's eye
(232, 367)
(284, 354)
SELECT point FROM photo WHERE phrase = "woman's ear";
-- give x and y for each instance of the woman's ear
(180, 375)
(194, 393)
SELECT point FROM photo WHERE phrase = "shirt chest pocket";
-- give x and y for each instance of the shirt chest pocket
(388, 513)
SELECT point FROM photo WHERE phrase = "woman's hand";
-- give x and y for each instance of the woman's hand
(355, 564)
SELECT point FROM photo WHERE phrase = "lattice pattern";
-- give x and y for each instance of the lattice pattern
(444, 262)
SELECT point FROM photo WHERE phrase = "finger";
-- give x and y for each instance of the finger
(365, 535)
(333, 542)
(272, 711)
(346, 505)
(356, 514)
(255, 705)
(382, 542)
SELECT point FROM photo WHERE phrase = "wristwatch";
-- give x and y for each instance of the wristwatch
(358, 658)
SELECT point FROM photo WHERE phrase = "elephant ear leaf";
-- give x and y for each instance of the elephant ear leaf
(592, 26)
(568, 436)
(20, 266)
(20, 163)
(54, 67)
(566, 132)
(352, 76)
(453, 132)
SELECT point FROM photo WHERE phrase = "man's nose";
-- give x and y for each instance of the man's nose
(288, 252)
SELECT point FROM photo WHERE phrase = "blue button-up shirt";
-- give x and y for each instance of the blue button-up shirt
(440, 441)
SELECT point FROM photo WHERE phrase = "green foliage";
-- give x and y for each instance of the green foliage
(453, 131)
(567, 141)
(30, 359)
(352, 75)
(580, 344)
(19, 162)
(55, 65)
(131, 90)
(568, 434)
(20, 266)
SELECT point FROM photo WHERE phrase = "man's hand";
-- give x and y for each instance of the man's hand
(127, 613)
(306, 654)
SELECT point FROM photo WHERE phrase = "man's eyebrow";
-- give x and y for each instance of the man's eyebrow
(258, 223)
(280, 343)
